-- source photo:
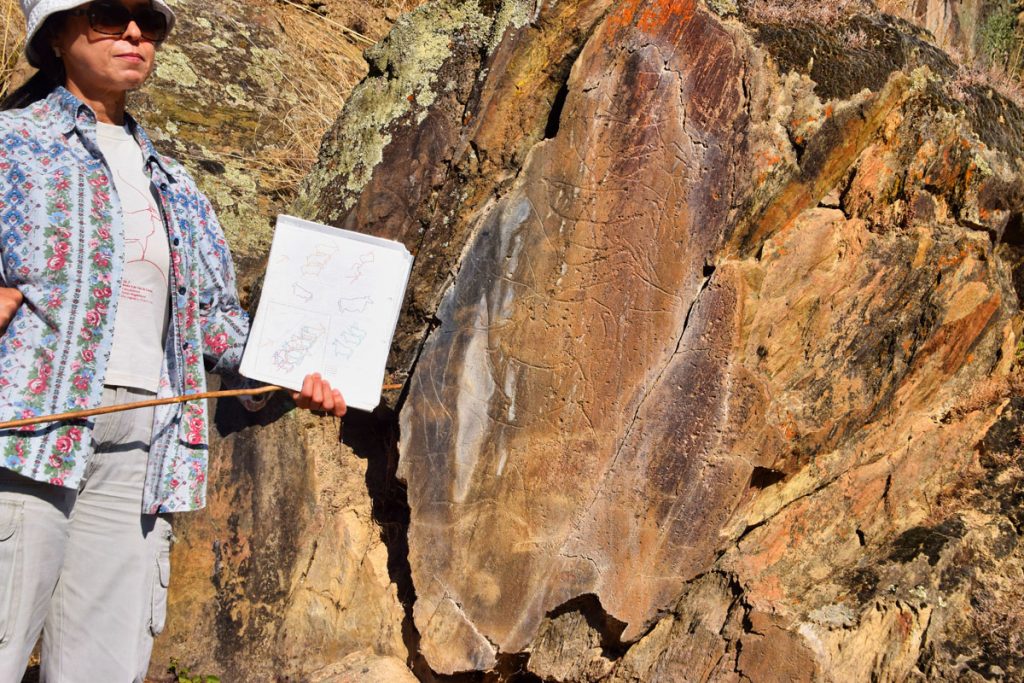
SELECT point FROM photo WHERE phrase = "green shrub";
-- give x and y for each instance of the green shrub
(183, 675)
(999, 39)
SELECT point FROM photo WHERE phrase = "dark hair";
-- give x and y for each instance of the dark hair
(51, 69)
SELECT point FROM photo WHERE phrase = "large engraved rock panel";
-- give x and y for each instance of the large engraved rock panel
(561, 435)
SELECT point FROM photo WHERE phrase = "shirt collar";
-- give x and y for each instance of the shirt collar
(72, 112)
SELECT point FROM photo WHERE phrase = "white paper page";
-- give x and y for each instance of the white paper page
(330, 303)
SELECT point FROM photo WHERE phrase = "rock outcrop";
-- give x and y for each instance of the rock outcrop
(978, 29)
(711, 357)
(287, 572)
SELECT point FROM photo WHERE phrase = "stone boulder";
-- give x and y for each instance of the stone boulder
(711, 359)
(711, 321)
(287, 570)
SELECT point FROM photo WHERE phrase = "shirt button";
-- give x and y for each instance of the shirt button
(181, 290)
(177, 241)
(184, 346)
(163, 186)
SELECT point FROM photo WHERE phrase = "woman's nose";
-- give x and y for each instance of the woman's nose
(132, 32)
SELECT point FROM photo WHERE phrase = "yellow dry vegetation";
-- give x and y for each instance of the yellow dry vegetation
(12, 33)
(324, 64)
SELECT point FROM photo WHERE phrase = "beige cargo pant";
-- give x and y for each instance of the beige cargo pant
(86, 568)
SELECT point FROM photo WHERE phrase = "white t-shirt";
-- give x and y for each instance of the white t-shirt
(143, 306)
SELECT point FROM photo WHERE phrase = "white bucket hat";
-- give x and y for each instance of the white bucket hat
(36, 12)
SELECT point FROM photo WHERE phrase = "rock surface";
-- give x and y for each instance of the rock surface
(712, 355)
(691, 353)
(363, 667)
(286, 572)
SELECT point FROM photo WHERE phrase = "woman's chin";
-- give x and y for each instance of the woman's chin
(130, 79)
(128, 84)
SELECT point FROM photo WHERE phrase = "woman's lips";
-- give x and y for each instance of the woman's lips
(131, 57)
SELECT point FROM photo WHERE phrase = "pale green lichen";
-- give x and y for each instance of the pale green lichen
(262, 68)
(237, 94)
(409, 60)
(512, 14)
(724, 8)
(174, 66)
(246, 229)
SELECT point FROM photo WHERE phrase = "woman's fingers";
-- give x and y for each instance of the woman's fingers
(10, 301)
(304, 397)
(317, 394)
(333, 402)
(340, 408)
(327, 402)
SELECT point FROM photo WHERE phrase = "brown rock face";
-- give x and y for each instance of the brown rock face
(286, 571)
(959, 25)
(562, 336)
(705, 341)
(710, 350)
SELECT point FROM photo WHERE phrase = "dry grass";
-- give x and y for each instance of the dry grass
(856, 40)
(1000, 621)
(1003, 78)
(12, 34)
(998, 79)
(321, 61)
(320, 85)
(796, 12)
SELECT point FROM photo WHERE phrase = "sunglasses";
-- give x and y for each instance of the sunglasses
(112, 19)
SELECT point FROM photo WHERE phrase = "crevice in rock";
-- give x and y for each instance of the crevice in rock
(512, 668)
(1013, 234)
(607, 627)
(555, 116)
(763, 477)
(309, 563)
(374, 437)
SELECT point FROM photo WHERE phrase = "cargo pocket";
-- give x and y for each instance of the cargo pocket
(159, 596)
(10, 567)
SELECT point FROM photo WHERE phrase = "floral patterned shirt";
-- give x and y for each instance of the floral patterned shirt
(62, 247)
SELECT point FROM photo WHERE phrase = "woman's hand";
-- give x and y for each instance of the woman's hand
(10, 300)
(317, 394)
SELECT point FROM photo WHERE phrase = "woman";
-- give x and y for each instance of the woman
(116, 285)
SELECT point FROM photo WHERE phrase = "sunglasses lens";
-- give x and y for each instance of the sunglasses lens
(112, 19)
(108, 18)
(152, 24)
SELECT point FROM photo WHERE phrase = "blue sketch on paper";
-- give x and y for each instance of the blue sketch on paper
(358, 304)
(348, 342)
(296, 348)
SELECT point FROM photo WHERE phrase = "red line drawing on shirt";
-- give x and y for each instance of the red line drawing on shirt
(155, 225)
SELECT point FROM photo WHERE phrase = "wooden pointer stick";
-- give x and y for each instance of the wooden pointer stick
(79, 414)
